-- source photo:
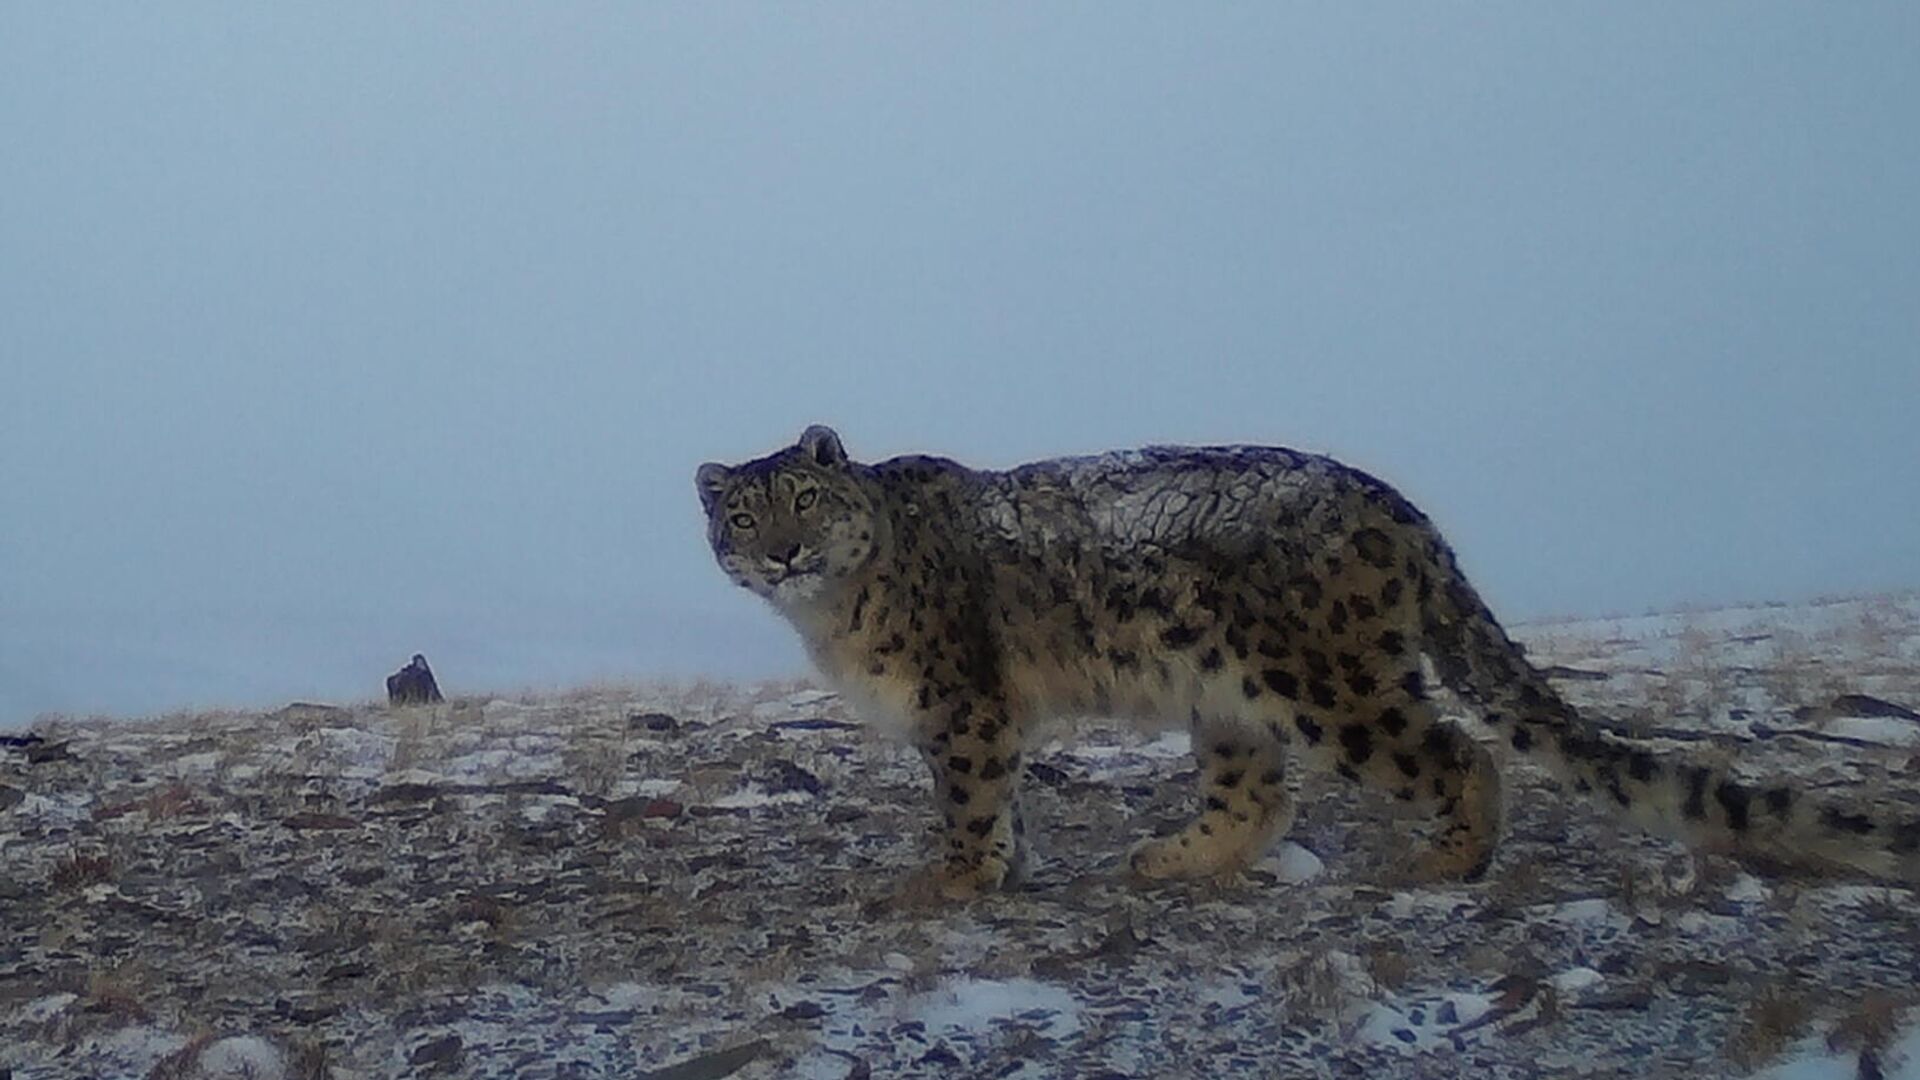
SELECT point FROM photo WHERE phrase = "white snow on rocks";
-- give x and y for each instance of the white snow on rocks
(1885, 730)
(1597, 910)
(242, 1057)
(350, 753)
(966, 1005)
(41, 1010)
(752, 795)
(1412, 1023)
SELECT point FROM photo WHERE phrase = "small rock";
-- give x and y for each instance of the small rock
(652, 721)
(940, 1055)
(662, 808)
(1046, 773)
(710, 1066)
(816, 723)
(360, 876)
(642, 808)
(11, 797)
(443, 1050)
(305, 1011)
(1868, 705)
(803, 1010)
(406, 792)
(781, 776)
(313, 819)
(43, 753)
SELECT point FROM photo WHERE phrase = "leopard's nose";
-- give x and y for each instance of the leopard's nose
(792, 553)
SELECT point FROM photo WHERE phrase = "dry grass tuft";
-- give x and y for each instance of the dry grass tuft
(1318, 987)
(172, 801)
(79, 871)
(1521, 883)
(1388, 967)
(1879, 629)
(1793, 676)
(180, 1065)
(1699, 683)
(411, 730)
(595, 763)
(116, 994)
(1871, 1025)
(310, 1063)
(1771, 1021)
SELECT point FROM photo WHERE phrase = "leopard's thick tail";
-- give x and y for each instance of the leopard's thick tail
(1767, 824)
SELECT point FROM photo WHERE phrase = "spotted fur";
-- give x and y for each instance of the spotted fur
(1281, 604)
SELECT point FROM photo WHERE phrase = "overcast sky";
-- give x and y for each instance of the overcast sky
(332, 333)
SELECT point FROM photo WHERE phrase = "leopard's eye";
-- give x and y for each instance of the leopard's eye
(742, 521)
(806, 498)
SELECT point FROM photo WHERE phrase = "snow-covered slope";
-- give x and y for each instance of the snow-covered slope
(702, 882)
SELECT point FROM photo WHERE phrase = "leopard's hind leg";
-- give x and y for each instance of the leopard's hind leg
(1244, 801)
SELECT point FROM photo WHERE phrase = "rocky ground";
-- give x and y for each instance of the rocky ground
(699, 882)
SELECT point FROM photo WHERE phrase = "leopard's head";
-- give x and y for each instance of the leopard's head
(792, 525)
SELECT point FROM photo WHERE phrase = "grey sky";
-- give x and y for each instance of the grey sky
(329, 333)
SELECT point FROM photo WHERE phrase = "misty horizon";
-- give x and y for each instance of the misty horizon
(332, 336)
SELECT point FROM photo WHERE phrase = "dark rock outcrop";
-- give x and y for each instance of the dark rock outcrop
(413, 684)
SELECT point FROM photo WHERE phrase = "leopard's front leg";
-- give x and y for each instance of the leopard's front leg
(972, 745)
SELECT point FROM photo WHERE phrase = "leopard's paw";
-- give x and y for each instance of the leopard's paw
(1184, 855)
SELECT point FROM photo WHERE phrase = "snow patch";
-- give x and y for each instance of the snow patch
(977, 1004)
(628, 995)
(521, 759)
(1885, 730)
(242, 1057)
(539, 809)
(1171, 744)
(1747, 889)
(1413, 1025)
(187, 764)
(40, 1010)
(1579, 912)
(749, 797)
(56, 812)
(1574, 980)
(352, 753)
(1403, 905)
(135, 1042)
(1295, 864)
(1225, 993)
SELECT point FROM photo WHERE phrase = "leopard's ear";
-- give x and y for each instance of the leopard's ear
(711, 479)
(822, 446)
